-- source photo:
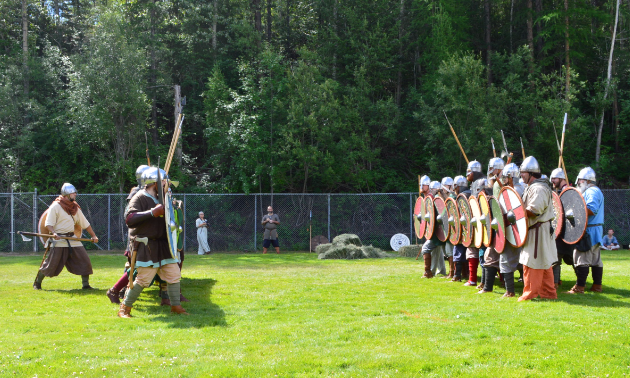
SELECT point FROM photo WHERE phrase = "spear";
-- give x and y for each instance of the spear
(146, 144)
(561, 159)
(522, 148)
(494, 151)
(456, 138)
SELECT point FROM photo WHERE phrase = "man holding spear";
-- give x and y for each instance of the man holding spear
(63, 215)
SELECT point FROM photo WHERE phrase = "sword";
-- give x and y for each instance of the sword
(504, 144)
(135, 240)
(522, 149)
(456, 139)
(494, 151)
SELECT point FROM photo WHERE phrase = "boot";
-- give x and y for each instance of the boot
(576, 290)
(451, 266)
(509, 294)
(124, 312)
(178, 310)
(37, 285)
(182, 298)
(427, 266)
(113, 296)
(596, 288)
(121, 294)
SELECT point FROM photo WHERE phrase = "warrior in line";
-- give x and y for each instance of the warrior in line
(446, 191)
(508, 261)
(565, 251)
(459, 251)
(145, 219)
(429, 188)
(64, 215)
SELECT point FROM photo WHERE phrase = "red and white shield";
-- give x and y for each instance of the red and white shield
(516, 223)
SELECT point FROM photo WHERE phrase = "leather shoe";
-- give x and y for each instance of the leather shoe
(165, 302)
(37, 285)
(87, 287)
(182, 298)
(124, 311)
(469, 283)
(509, 295)
(596, 288)
(113, 296)
(178, 310)
(576, 290)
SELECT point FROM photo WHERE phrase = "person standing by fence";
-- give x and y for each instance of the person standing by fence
(202, 235)
(270, 222)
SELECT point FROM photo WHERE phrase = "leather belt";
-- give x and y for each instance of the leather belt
(536, 227)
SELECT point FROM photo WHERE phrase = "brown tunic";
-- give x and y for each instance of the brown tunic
(157, 252)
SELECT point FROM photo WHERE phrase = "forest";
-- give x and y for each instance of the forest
(308, 96)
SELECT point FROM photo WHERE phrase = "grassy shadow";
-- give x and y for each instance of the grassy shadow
(203, 312)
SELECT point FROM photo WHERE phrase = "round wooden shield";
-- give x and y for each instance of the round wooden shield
(398, 241)
(575, 215)
(418, 218)
(454, 233)
(496, 190)
(441, 219)
(464, 220)
(558, 222)
(516, 223)
(486, 218)
(498, 225)
(317, 240)
(476, 222)
(429, 217)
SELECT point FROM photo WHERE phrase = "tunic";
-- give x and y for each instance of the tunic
(202, 238)
(508, 261)
(594, 199)
(270, 228)
(63, 223)
(157, 253)
(538, 200)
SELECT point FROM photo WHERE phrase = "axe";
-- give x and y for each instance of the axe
(25, 234)
(135, 241)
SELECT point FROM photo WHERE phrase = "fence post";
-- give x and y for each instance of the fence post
(410, 218)
(35, 220)
(184, 222)
(255, 221)
(109, 216)
(12, 223)
(329, 218)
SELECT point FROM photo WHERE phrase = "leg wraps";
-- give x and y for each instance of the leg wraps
(491, 273)
(556, 273)
(458, 268)
(597, 272)
(122, 283)
(40, 277)
(483, 275)
(472, 266)
(132, 295)
(173, 293)
(85, 279)
(509, 282)
(582, 275)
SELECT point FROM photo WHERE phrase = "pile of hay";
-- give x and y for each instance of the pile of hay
(409, 250)
(349, 246)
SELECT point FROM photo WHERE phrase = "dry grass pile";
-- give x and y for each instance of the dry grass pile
(409, 250)
(349, 247)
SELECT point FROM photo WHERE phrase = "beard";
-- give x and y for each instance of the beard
(583, 186)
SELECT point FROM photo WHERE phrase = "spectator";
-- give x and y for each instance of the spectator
(270, 222)
(610, 242)
(202, 235)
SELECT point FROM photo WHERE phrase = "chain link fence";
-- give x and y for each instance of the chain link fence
(235, 219)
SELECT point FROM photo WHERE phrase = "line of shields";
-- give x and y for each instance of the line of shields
(495, 221)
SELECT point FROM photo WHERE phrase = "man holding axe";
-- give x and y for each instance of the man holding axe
(63, 217)
(145, 218)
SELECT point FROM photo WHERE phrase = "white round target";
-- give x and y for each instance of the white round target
(398, 240)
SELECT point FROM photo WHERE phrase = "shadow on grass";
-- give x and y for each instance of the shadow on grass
(592, 299)
(203, 312)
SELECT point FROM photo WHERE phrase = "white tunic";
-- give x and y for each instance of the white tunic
(538, 200)
(202, 238)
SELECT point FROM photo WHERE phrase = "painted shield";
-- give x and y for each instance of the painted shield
(486, 218)
(171, 226)
(41, 228)
(418, 218)
(441, 219)
(464, 220)
(575, 215)
(496, 190)
(429, 217)
(558, 222)
(516, 223)
(455, 227)
(476, 222)
(398, 241)
(498, 225)
(179, 220)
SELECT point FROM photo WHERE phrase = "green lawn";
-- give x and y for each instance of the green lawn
(292, 315)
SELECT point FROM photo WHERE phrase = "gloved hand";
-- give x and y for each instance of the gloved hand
(158, 211)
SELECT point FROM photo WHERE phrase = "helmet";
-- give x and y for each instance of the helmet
(435, 185)
(425, 180)
(586, 174)
(482, 184)
(557, 173)
(150, 176)
(496, 163)
(543, 176)
(530, 165)
(67, 189)
(460, 181)
(139, 171)
(447, 181)
(473, 166)
(511, 170)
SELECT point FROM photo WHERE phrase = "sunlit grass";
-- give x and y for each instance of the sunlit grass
(292, 315)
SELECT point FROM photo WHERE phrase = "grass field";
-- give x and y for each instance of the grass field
(292, 315)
